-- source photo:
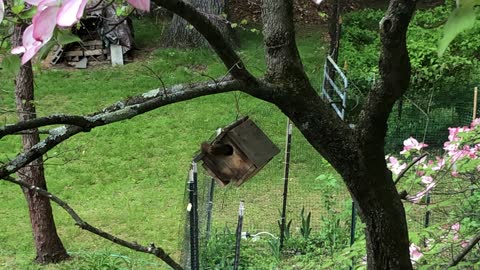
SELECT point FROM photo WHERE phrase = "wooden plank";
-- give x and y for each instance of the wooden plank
(254, 143)
(93, 43)
(86, 52)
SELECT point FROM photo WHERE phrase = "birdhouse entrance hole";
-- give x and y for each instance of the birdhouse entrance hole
(240, 151)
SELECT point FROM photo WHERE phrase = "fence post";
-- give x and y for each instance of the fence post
(209, 209)
(352, 228)
(475, 100)
(241, 210)
(193, 209)
(288, 143)
(427, 217)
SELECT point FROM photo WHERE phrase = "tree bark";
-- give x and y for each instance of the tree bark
(180, 34)
(48, 245)
(357, 154)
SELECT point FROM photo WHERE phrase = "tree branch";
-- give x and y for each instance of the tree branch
(414, 161)
(212, 34)
(117, 112)
(151, 249)
(465, 251)
(394, 66)
(282, 56)
(80, 121)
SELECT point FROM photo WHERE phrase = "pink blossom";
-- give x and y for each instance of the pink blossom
(475, 123)
(70, 12)
(453, 132)
(140, 4)
(420, 173)
(44, 20)
(30, 45)
(395, 166)
(455, 227)
(415, 253)
(2, 10)
(455, 174)
(440, 164)
(427, 180)
(417, 197)
(34, 2)
(412, 143)
(464, 243)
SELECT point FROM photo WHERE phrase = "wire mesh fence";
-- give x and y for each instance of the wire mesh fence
(313, 185)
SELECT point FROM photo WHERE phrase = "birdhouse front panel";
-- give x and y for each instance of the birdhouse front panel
(252, 150)
(228, 168)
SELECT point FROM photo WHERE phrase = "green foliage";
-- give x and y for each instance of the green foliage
(11, 64)
(436, 81)
(305, 228)
(105, 262)
(219, 253)
(454, 198)
(65, 37)
(461, 19)
(360, 48)
(286, 232)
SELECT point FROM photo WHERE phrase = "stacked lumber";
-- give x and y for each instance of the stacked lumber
(92, 50)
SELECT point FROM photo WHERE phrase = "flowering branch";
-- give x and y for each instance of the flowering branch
(415, 161)
(465, 251)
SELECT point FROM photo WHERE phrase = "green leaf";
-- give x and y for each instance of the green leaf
(234, 25)
(18, 8)
(45, 50)
(11, 64)
(66, 37)
(461, 19)
(28, 14)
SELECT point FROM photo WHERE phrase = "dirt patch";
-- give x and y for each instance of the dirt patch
(307, 12)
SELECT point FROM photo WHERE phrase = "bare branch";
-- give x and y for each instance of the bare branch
(151, 249)
(465, 251)
(117, 112)
(80, 121)
(212, 34)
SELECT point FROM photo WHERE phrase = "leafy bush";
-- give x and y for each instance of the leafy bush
(436, 82)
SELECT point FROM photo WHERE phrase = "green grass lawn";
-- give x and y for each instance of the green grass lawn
(128, 178)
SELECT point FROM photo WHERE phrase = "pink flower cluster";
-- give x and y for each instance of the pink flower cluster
(454, 148)
(52, 13)
(412, 144)
(395, 166)
(415, 253)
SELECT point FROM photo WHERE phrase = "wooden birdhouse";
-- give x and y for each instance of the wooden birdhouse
(237, 153)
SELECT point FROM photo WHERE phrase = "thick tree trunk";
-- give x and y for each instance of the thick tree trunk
(357, 154)
(180, 34)
(48, 245)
